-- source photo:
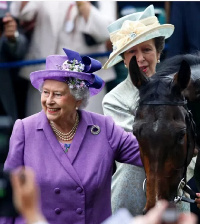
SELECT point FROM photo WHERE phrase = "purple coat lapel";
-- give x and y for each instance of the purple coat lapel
(57, 149)
(85, 121)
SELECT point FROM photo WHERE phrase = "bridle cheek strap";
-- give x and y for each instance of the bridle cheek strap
(191, 128)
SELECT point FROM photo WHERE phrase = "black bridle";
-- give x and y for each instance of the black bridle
(183, 183)
(190, 126)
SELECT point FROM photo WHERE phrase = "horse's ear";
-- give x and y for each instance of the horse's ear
(137, 77)
(182, 77)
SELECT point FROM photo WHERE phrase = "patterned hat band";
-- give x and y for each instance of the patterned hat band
(130, 30)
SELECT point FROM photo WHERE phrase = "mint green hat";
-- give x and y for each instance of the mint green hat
(134, 29)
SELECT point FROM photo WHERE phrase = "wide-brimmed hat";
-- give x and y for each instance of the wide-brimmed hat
(134, 29)
(66, 67)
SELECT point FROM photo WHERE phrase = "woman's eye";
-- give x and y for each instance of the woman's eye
(46, 93)
(58, 95)
(147, 49)
(132, 51)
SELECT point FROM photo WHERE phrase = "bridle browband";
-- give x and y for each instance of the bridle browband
(158, 102)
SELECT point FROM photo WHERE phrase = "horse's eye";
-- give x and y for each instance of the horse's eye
(181, 136)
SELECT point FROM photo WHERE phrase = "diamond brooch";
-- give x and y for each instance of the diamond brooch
(95, 130)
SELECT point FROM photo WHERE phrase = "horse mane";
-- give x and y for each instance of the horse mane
(171, 65)
(158, 88)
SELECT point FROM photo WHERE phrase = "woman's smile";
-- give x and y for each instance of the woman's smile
(52, 110)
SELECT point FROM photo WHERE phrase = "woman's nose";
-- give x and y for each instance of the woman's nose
(140, 57)
(49, 99)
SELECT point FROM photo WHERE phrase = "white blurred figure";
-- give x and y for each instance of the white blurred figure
(61, 24)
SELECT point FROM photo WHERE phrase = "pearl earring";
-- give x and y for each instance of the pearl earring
(158, 61)
(76, 108)
(125, 65)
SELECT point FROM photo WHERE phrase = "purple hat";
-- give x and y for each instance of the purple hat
(64, 68)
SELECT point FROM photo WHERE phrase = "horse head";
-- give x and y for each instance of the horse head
(163, 130)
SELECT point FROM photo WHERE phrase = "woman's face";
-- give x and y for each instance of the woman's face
(146, 56)
(57, 101)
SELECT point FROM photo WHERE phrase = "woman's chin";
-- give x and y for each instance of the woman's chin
(51, 116)
(149, 74)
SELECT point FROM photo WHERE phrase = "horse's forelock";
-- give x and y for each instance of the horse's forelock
(156, 88)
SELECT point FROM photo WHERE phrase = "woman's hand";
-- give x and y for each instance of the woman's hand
(187, 218)
(84, 8)
(155, 216)
(10, 27)
(197, 200)
(26, 194)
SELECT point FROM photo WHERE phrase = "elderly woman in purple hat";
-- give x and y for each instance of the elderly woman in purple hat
(71, 150)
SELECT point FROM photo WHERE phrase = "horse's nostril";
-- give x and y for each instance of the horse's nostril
(144, 211)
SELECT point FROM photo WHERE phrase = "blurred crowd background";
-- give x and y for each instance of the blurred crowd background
(32, 30)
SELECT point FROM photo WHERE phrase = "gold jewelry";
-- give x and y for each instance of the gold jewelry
(68, 136)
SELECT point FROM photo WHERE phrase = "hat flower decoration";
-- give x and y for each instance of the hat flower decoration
(76, 66)
(71, 68)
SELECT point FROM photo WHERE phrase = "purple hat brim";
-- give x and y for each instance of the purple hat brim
(38, 77)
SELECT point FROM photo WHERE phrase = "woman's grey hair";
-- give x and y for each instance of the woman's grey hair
(81, 94)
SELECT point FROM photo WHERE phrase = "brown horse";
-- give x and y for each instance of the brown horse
(164, 129)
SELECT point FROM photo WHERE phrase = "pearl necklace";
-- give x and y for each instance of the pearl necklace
(68, 136)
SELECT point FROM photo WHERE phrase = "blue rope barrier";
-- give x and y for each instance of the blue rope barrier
(22, 63)
(15, 64)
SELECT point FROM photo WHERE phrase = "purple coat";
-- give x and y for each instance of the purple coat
(75, 187)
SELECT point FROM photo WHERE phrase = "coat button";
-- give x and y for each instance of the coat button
(79, 211)
(57, 190)
(57, 211)
(79, 189)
